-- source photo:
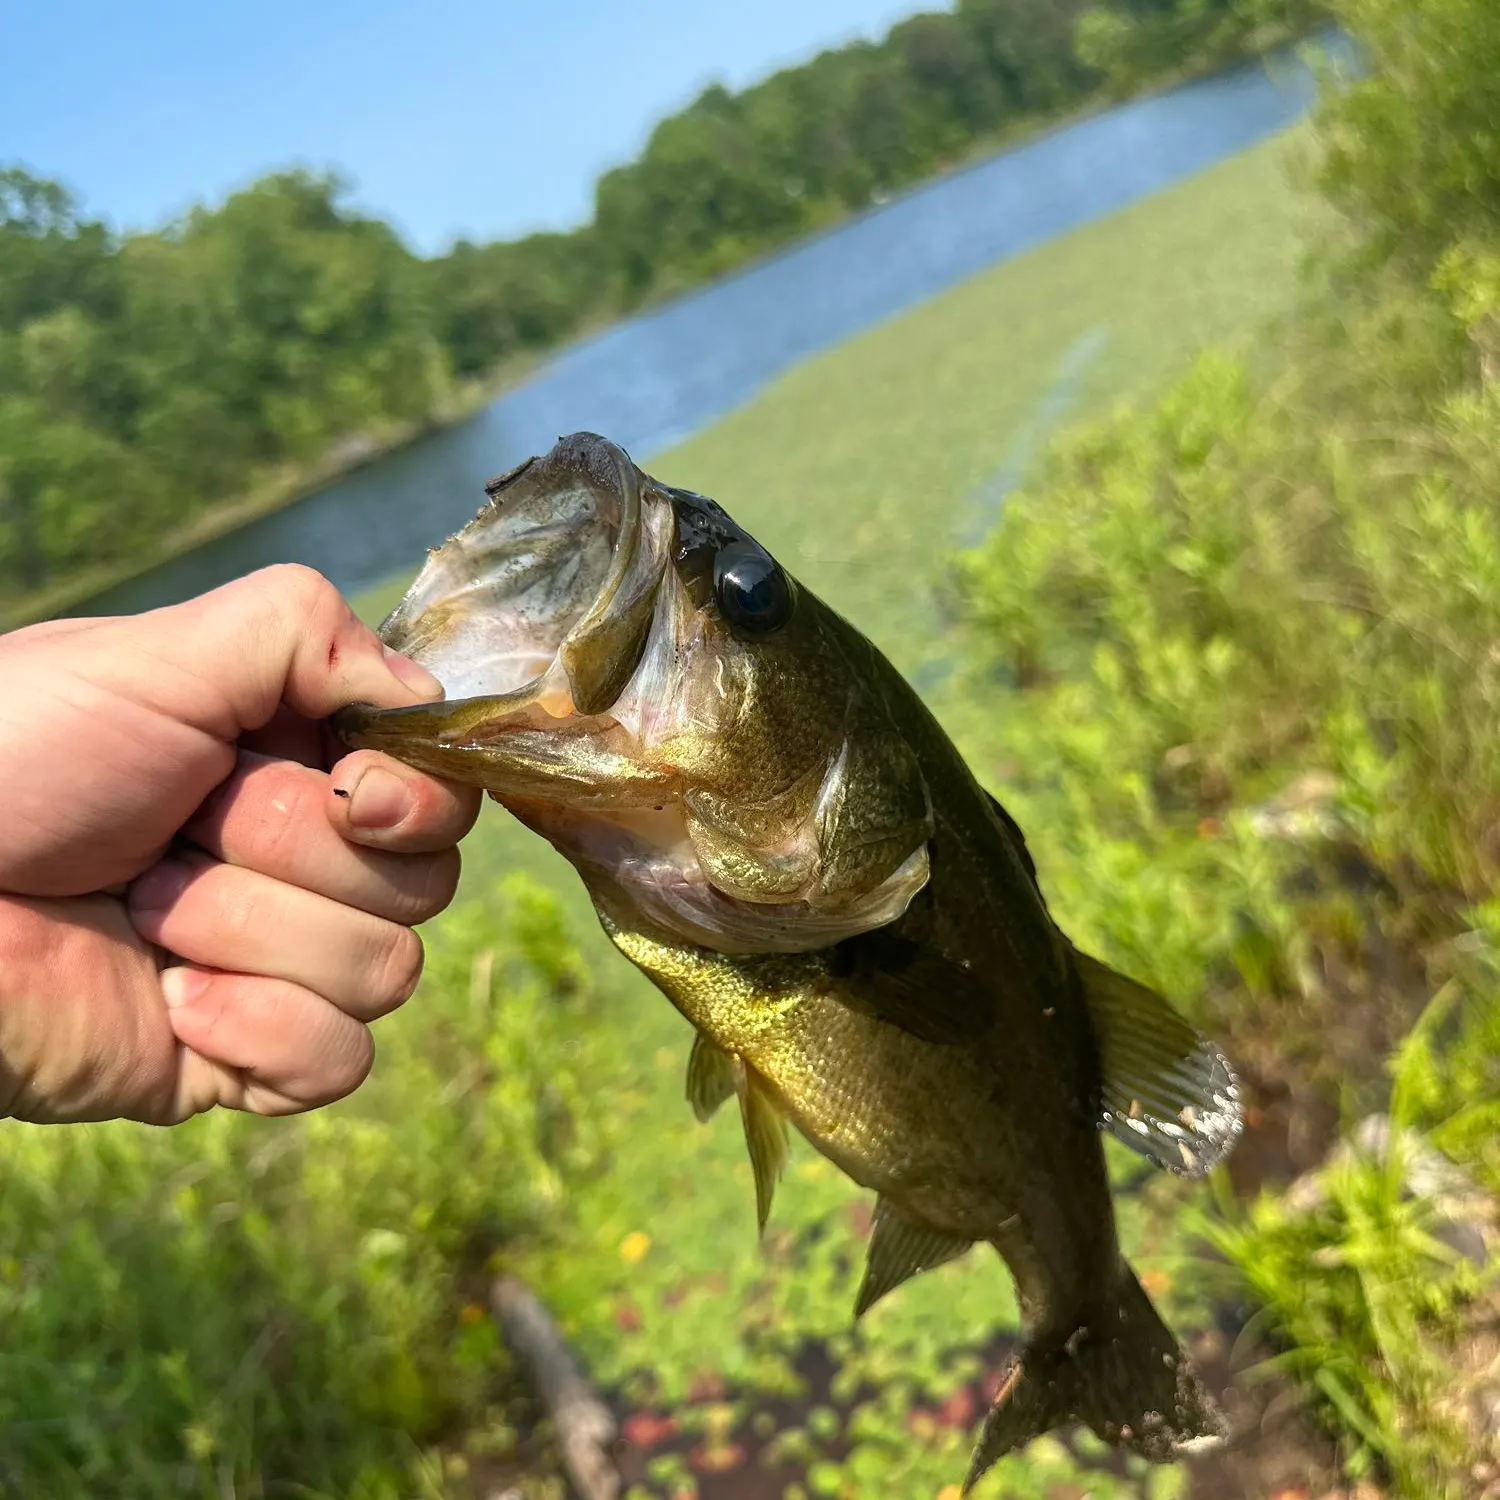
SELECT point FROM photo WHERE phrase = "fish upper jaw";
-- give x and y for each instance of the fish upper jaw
(596, 689)
(539, 608)
(550, 587)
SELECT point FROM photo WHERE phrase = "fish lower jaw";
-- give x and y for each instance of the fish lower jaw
(551, 712)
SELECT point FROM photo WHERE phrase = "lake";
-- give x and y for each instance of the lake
(650, 380)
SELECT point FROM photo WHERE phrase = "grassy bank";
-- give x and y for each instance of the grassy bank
(252, 1309)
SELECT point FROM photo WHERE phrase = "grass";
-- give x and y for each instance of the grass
(1367, 1280)
(241, 1308)
(865, 465)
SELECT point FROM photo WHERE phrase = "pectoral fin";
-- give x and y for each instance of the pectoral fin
(710, 1077)
(908, 983)
(1167, 1093)
(765, 1136)
(900, 1248)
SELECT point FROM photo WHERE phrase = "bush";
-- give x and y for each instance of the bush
(270, 1306)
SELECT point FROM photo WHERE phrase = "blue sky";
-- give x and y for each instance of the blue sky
(453, 119)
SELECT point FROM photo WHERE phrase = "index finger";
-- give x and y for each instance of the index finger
(226, 661)
(382, 804)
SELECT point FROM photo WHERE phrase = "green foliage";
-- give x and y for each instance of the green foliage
(495, 302)
(141, 380)
(1359, 1282)
(150, 381)
(1134, 41)
(1284, 574)
(251, 1307)
(1413, 155)
(735, 174)
(1249, 575)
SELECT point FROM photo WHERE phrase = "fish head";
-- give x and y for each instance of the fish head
(630, 672)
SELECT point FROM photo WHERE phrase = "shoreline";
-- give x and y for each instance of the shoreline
(276, 491)
(282, 489)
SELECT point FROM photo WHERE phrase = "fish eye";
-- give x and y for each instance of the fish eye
(751, 589)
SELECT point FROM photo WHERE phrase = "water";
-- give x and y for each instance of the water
(650, 380)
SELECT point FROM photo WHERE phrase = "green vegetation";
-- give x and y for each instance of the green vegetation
(293, 1307)
(1376, 1298)
(155, 385)
(246, 1308)
(1279, 585)
(1229, 654)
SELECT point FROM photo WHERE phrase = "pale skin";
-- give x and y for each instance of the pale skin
(203, 901)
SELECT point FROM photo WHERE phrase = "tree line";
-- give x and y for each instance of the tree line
(146, 377)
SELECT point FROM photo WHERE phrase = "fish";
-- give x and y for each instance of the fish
(775, 829)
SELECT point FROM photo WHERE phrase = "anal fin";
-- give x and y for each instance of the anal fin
(1167, 1093)
(899, 1249)
(710, 1077)
(765, 1136)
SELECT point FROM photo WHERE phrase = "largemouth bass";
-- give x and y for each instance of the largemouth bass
(775, 829)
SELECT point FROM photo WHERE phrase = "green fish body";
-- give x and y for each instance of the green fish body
(777, 832)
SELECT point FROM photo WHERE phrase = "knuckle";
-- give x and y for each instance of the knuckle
(432, 882)
(400, 967)
(293, 584)
(351, 1066)
(294, 594)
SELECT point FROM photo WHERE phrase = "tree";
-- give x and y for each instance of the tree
(143, 378)
(1413, 151)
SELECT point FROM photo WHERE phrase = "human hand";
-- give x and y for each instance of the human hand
(201, 903)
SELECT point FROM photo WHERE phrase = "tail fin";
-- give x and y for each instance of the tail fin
(1125, 1378)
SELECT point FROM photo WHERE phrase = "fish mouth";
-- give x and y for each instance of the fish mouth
(536, 612)
(596, 689)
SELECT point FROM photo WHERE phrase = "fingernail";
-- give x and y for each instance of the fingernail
(182, 984)
(379, 799)
(160, 886)
(418, 679)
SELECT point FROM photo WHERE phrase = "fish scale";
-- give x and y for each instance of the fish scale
(777, 1023)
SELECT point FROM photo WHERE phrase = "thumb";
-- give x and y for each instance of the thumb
(281, 635)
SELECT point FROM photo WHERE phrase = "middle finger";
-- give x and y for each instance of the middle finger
(220, 917)
(271, 816)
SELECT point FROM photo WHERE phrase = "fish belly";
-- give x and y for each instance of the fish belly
(925, 1125)
(948, 1134)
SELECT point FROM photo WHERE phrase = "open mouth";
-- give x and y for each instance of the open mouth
(597, 635)
(546, 596)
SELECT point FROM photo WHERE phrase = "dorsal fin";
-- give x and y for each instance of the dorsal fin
(1167, 1092)
(765, 1136)
(1017, 837)
(899, 1249)
(710, 1077)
